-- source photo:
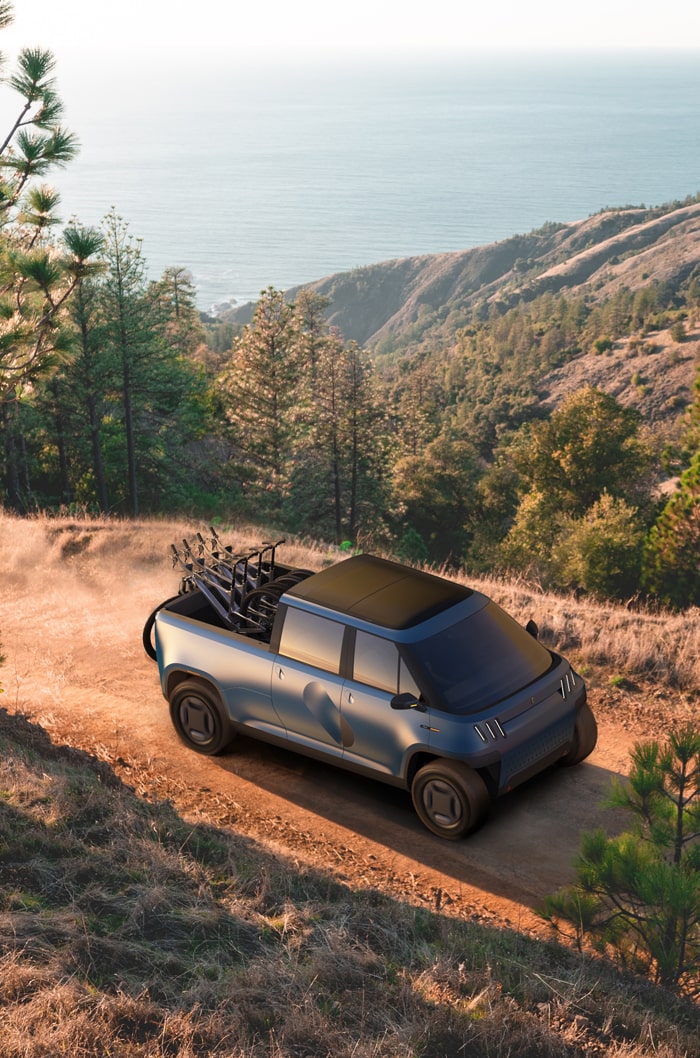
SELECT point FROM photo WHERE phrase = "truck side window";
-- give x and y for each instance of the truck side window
(376, 662)
(315, 640)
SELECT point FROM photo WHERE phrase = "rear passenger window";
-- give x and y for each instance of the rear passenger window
(315, 640)
(376, 662)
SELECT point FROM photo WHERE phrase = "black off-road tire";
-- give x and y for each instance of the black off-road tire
(199, 718)
(450, 798)
(585, 737)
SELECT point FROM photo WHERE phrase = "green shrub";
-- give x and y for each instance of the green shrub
(637, 895)
(601, 552)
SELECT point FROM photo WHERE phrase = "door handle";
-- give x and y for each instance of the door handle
(280, 674)
(350, 699)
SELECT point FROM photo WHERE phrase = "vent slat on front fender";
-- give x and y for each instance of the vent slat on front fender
(567, 684)
(493, 730)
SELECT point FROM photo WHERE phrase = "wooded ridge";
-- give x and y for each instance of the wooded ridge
(596, 257)
(475, 350)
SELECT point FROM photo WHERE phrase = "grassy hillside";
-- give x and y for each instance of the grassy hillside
(130, 929)
(127, 931)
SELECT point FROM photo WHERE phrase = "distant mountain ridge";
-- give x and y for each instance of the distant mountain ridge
(597, 256)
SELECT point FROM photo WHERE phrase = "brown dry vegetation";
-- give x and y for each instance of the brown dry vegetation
(128, 927)
(654, 375)
(127, 931)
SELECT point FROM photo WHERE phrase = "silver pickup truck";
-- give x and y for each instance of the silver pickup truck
(389, 671)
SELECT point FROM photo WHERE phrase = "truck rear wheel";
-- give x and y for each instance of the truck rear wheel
(199, 719)
(585, 737)
(450, 798)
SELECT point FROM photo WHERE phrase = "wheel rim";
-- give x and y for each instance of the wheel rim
(197, 720)
(442, 804)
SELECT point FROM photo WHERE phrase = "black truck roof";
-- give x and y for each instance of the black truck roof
(381, 592)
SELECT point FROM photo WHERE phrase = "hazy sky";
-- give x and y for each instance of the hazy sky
(296, 27)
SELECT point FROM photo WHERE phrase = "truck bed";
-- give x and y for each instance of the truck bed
(195, 606)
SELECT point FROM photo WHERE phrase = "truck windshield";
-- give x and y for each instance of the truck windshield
(478, 661)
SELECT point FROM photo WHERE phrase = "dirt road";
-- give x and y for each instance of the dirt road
(75, 664)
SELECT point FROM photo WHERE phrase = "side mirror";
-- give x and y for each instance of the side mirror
(407, 701)
(532, 628)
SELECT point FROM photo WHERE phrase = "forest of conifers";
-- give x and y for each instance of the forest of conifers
(118, 398)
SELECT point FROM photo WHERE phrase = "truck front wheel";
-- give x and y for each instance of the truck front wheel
(585, 737)
(450, 798)
(199, 719)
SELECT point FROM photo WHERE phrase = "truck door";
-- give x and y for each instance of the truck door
(306, 684)
(377, 736)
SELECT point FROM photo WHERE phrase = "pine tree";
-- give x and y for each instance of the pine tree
(173, 299)
(638, 894)
(128, 328)
(416, 408)
(671, 562)
(309, 309)
(123, 415)
(341, 446)
(367, 445)
(89, 379)
(37, 276)
(259, 396)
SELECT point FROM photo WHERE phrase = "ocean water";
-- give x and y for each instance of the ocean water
(279, 176)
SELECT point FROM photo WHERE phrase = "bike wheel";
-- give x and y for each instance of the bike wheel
(288, 580)
(260, 606)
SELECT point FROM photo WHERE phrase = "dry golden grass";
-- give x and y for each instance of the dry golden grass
(127, 932)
